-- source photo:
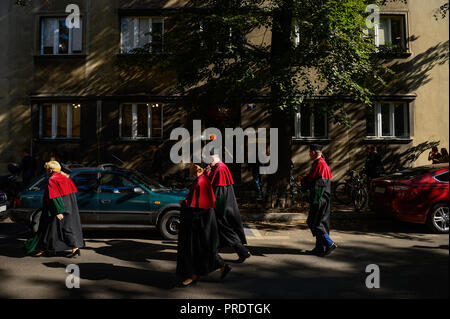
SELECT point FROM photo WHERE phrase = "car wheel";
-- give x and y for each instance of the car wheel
(437, 219)
(34, 220)
(169, 224)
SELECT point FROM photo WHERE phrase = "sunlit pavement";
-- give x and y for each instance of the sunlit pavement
(413, 263)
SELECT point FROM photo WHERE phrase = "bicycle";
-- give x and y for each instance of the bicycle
(293, 196)
(353, 190)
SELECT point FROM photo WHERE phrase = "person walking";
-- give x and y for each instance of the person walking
(59, 226)
(229, 222)
(197, 238)
(318, 181)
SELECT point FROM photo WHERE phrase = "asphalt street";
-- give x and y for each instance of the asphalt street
(412, 263)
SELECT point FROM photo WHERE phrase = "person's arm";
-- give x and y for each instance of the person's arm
(58, 207)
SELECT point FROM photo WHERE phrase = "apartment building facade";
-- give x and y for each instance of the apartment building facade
(63, 94)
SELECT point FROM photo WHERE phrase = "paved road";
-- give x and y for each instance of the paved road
(137, 264)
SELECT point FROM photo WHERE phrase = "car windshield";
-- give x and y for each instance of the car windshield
(147, 181)
(38, 183)
(412, 172)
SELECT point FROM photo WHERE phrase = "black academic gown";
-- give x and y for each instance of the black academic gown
(197, 237)
(229, 221)
(318, 182)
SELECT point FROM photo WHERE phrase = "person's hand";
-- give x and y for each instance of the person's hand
(60, 216)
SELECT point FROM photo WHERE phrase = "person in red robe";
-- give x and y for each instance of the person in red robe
(59, 224)
(229, 222)
(318, 181)
(197, 238)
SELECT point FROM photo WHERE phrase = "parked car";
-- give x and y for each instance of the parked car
(3, 205)
(417, 195)
(110, 198)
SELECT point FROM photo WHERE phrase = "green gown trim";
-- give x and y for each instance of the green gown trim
(55, 207)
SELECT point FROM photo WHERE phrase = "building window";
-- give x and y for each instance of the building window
(142, 33)
(141, 120)
(309, 124)
(58, 39)
(61, 120)
(388, 119)
(390, 32)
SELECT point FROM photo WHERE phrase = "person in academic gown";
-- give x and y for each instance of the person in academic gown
(59, 225)
(229, 222)
(318, 182)
(197, 238)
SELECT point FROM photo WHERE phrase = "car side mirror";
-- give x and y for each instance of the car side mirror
(138, 190)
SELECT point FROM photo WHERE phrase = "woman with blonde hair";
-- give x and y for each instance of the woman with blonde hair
(59, 225)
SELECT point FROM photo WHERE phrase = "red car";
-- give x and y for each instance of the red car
(417, 195)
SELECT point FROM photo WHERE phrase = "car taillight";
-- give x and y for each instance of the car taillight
(17, 203)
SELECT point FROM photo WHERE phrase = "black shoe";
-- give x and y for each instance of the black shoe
(316, 251)
(76, 252)
(225, 271)
(242, 258)
(329, 249)
(182, 285)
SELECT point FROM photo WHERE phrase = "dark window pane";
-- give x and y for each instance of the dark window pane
(156, 110)
(157, 36)
(46, 120)
(305, 122)
(401, 116)
(385, 119)
(397, 31)
(62, 120)
(76, 120)
(142, 120)
(370, 121)
(63, 47)
(127, 114)
(85, 182)
(319, 125)
(115, 183)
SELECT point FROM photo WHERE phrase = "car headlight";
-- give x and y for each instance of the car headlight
(3, 197)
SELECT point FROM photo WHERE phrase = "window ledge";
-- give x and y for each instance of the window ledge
(394, 55)
(387, 140)
(141, 139)
(310, 140)
(60, 56)
(44, 139)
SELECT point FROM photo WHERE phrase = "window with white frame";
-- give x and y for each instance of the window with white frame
(310, 124)
(140, 32)
(58, 39)
(390, 32)
(388, 119)
(141, 120)
(60, 120)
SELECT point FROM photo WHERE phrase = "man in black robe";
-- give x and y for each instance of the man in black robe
(197, 239)
(231, 230)
(318, 182)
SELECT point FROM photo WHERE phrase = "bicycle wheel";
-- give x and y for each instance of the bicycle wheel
(343, 193)
(360, 199)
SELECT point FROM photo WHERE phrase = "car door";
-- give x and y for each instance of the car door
(87, 195)
(122, 201)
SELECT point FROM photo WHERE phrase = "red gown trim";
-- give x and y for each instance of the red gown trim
(201, 194)
(319, 169)
(60, 185)
(220, 175)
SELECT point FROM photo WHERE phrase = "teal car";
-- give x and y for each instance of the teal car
(110, 198)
